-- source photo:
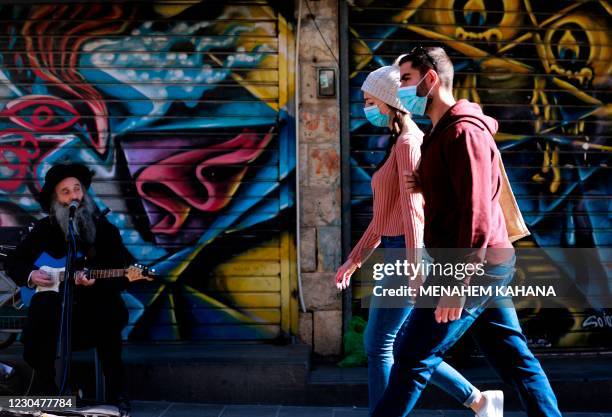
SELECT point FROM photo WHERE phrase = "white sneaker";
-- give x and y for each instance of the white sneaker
(494, 404)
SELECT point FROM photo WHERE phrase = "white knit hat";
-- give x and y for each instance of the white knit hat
(383, 84)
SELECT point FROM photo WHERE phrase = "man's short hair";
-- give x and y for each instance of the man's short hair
(433, 57)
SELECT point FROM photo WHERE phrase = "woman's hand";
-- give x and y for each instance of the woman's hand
(343, 276)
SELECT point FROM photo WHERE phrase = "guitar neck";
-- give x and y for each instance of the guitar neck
(106, 273)
(101, 273)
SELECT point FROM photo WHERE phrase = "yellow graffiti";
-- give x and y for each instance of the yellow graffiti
(441, 13)
(597, 62)
(171, 8)
(361, 53)
(264, 81)
(467, 89)
(230, 311)
(410, 9)
(550, 162)
(573, 90)
(539, 100)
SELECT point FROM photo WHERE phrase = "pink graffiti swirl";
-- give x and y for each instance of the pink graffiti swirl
(187, 180)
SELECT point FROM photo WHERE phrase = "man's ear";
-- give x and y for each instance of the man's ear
(433, 81)
(433, 78)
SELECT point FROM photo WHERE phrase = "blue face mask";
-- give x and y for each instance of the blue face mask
(411, 102)
(375, 117)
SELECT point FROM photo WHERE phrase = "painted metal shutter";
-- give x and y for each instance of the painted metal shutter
(542, 69)
(184, 111)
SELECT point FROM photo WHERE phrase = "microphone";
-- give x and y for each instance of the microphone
(72, 207)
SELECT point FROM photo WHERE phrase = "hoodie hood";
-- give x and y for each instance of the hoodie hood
(466, 111)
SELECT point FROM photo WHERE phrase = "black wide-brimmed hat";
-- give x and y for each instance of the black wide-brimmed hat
(56, 174)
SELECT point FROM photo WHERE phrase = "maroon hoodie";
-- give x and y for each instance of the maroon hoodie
(461, 181)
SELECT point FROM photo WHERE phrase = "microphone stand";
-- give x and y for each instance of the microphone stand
(65, 339)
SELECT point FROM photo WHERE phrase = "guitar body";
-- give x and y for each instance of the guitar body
(52, 266)
(54, 273)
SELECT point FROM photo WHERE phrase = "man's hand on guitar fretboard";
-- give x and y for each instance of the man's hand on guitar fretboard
(82, 279)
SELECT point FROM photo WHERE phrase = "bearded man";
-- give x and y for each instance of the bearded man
(99, 313)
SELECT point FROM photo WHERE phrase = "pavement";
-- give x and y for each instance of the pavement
(177, 409)
(175, 380)
(170, 409)
(269, 374)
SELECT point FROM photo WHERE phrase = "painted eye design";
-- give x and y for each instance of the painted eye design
(41, 113)
(17, 153)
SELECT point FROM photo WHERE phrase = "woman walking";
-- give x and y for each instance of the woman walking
(398, 222)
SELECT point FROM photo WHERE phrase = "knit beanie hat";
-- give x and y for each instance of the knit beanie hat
(383, 84)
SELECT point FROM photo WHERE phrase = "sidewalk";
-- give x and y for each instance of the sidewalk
(177, 409)
(167, 409)
(269, 374)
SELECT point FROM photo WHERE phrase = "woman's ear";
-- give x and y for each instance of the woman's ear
(384, 109)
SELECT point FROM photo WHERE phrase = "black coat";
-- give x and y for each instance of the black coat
(107, 252)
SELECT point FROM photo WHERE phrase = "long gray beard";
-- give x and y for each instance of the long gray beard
(84, 218)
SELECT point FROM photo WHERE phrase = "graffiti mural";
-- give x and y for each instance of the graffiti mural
(188, 127)
(543, 70)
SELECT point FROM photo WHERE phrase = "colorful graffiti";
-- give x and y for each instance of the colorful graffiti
(543, 70)
(188, 126)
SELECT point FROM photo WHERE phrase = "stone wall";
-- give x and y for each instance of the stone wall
(319, 164)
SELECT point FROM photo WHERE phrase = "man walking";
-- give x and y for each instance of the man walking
(461, 181)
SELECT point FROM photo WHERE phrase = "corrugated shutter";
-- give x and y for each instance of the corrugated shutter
(183, 111)
(542, 69)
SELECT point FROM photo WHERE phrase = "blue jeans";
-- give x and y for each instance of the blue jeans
(424, 343)
(380, 337)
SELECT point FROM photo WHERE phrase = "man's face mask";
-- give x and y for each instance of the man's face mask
(411, 101)
(375, 117)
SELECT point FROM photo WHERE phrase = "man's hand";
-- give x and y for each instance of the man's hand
(343, 276)
(40, 278)
(412, 182)
(449, 309)
(80, 278)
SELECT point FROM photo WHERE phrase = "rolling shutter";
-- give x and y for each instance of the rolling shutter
(542, 69)
(182, 110)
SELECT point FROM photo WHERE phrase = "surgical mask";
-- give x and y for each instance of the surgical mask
(375, 117)
(408, 97)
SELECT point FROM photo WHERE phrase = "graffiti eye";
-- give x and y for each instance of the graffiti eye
(479, 13)
(41, 113)
(572, 47)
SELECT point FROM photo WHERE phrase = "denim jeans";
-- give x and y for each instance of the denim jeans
(424, 342)
(383, 326)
